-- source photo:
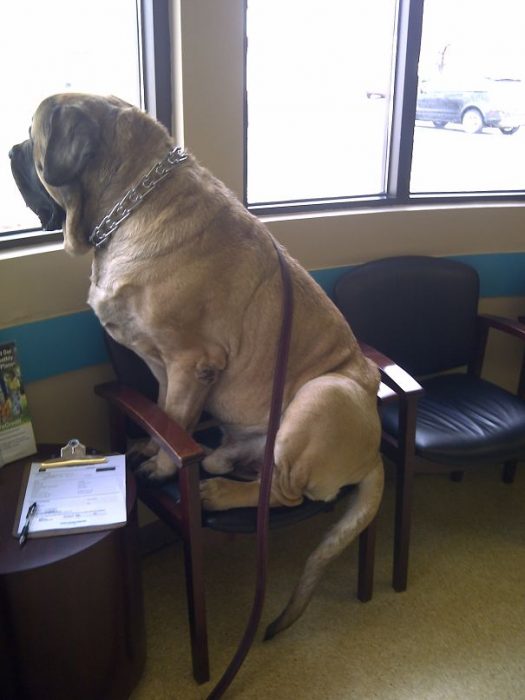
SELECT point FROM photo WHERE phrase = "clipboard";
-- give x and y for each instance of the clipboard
(74, 493)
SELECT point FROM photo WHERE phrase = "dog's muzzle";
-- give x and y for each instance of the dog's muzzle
(36, 197)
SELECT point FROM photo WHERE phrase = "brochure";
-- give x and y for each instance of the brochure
(17, 438)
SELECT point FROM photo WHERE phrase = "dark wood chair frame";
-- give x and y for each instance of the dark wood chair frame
(185, 515)
(401, 449)
(398, 385)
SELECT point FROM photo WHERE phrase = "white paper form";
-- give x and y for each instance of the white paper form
(91, 496)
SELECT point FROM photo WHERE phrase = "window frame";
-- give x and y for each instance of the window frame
(155, 76)
(402, 124)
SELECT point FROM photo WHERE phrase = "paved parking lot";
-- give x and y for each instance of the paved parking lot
(449, 159)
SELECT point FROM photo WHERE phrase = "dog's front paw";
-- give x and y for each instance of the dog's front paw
(140, 452)
(217, 463)
(146, 447)
(158, 468)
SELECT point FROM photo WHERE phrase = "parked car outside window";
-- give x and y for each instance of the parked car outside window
(489, 102)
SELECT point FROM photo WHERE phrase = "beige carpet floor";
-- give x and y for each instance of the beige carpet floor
(457, 633)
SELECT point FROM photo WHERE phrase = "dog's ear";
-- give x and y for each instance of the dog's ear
(74, 137)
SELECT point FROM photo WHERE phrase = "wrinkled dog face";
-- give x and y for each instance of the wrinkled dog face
(36, 197)
(65, 160)
(63, 138)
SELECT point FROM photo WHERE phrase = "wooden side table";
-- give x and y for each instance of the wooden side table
(71, 606)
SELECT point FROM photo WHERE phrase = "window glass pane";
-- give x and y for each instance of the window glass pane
(319, 95)
(59, 46)
(470, 119)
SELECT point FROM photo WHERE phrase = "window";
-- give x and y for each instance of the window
(471, 98)
(383, 101)
(318, 95)
(60, 46)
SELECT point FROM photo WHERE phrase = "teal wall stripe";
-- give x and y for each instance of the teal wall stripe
(57, 345)
(500, 274)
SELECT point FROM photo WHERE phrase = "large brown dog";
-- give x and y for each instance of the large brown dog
(191, 282)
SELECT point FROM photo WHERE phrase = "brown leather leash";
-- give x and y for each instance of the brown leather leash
(263, 507)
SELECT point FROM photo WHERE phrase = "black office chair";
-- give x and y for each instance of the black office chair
(422, 312)
(134, 413)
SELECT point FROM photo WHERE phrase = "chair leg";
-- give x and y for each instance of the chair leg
(193, 563)
(404, 484)
(367, 545)
(509, 471)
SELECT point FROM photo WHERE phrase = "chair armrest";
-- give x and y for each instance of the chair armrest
(395, 380)
(500, 323)
(180, 446)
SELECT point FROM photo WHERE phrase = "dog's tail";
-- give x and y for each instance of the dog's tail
(361, 510)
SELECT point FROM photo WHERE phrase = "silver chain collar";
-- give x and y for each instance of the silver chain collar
(135, 195)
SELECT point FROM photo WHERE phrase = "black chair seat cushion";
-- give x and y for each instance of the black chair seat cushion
(244, 520)
(464, 420)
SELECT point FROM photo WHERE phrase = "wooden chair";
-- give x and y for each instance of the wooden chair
(422, 312)
(177, 503)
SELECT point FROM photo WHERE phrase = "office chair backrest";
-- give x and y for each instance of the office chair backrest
(420, 311)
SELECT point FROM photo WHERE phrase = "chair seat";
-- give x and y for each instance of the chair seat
(464, 420)
(244, 520)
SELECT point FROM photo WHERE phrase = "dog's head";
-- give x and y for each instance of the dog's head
(85, 152)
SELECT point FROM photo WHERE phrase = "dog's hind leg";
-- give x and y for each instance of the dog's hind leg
(361, 510)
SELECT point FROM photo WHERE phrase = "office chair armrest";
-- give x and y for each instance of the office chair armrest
(395, 381)
(500, 323)
(179, 445)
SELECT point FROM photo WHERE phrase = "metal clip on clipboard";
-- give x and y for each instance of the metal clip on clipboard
(72, 455)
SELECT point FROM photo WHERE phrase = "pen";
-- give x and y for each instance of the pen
(80, 462)
(23, 535)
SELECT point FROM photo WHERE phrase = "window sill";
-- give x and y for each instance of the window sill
(386, 208)
(30, 243)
